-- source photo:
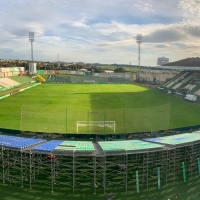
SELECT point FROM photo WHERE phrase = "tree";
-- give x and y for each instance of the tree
(98, 70)
(119, 70)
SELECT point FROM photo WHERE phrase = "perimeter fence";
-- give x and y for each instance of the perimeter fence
(83, 79)
(66, 120)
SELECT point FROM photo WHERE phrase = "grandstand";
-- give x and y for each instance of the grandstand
(100, 165)
(57, 79)
(14, 81)
(7, 82)
(83, 79)
(188, 81)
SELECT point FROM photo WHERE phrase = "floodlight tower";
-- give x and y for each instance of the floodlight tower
(31, 40)
(139, 41)
(58, 61)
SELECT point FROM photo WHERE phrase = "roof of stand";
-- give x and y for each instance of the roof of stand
(18, 142)
(180, 139)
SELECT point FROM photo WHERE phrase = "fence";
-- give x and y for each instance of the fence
(83, 78)
(65, 120)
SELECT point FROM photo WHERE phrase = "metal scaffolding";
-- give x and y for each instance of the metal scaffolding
(101, 166)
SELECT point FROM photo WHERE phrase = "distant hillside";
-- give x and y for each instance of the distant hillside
(189, 62)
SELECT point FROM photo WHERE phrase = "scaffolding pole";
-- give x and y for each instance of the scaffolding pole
(104, 174)
(74, 169)
(30, 172)
(94, 168)
(22, 176)
(126, 171)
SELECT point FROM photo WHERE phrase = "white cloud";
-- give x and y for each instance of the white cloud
(144, 6)
(99, 31)
(190, 6)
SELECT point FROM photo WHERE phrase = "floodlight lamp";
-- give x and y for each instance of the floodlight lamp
(139, 38)
(31, 36)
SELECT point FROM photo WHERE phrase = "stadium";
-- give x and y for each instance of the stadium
(98, 135)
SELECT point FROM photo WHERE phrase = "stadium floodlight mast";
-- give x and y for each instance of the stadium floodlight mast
(58, 61)
(139, 41)
(31, 40)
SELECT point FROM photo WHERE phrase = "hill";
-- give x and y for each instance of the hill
(188, 62)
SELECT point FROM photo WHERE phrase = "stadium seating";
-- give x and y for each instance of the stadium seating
(179, 139)
(18, 142)
(178, 76)
(14, 81)
(57, 79)
(41, 145)
(65, 146)
(128, 145)
(187, 80)
(48, 147)
(32, 162)
(7, 82)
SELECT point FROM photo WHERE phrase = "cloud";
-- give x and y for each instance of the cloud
(161, 46)
(193, 30)
(99, 31)
(6, 50)
(164, 36)
(144, 6)
(191, 7)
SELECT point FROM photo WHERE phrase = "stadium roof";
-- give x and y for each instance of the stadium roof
(181, 68)
(189, 62)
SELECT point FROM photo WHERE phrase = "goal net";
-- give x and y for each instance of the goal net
(99, 124)
(89, 81)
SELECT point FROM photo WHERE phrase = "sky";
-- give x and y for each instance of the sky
(100, 31)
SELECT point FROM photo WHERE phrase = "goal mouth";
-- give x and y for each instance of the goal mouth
(100, 124)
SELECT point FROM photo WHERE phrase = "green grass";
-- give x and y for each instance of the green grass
(21, 79)
(57, 108)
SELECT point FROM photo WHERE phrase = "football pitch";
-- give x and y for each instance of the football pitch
(102, 108)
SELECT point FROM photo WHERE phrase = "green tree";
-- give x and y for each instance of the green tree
(119, 70)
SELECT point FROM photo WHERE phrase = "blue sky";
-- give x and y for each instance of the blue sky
(100, 31)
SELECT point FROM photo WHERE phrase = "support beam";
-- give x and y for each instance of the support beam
(94, 168)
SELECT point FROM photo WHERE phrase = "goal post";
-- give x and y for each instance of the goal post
(101, 124)
(89, 81)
